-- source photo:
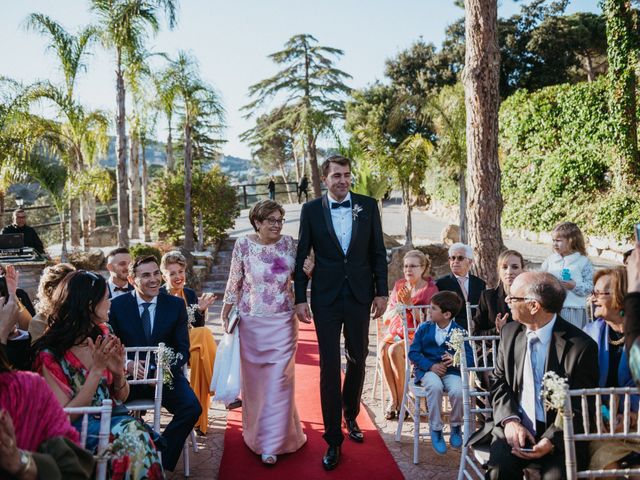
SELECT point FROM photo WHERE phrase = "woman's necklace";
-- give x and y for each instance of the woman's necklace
(617, 342)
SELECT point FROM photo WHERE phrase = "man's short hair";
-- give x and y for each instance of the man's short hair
(118, 251)
(468, 251)
(19, 210)
(141, 261)
(448, 302)
(545, 289)
(338, 160)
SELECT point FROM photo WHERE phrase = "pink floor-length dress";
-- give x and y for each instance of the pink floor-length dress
(260, 284)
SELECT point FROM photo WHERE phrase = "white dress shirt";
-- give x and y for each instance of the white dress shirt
(542, 352)
(341, 219)
(152, 307)
(112, 289)
(441, 333)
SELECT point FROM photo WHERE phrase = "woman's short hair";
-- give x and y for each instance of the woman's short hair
(504, 256)
(468, 251)
(618, 284)
(261, 210)
(423, 258)
(172, 257)
(50, 279)
(571, 232)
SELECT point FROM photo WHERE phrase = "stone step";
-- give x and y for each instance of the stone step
(217, 276)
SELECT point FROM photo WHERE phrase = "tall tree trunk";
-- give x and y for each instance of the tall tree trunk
(591, 76)
(88, 215)
(2, 208)
(200, 232)
(121, 170)
(408, 224)
(145, 192)
(480, 79)
(283, 172)
(188, 165)
(463, 205)
(134, 186)
(74, 222)
(296, 162)
(63, 235)
(313, 165)
(622, 56)
(171, 163)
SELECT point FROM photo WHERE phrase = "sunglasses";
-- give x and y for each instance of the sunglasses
(459, 258)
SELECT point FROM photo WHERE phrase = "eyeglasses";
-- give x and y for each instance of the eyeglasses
(275, 221)
(510, 299)
(597, 294)
(459, 258)
(412, 266)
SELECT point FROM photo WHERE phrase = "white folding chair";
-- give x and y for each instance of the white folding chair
(148, 355)
(103, 435)
(473, 460)
(469, 309)
(192, 436)
(602, 430)
(378, 378)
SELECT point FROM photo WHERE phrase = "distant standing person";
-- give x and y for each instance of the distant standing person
(303, 186)
(31, 238)
(272, 189)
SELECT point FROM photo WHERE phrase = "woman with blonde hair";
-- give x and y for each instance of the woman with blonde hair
(415, 288)
(203, 347)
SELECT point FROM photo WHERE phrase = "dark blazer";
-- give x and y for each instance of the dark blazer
(25, 301)
(572, 354)
(170, 325)
(450, 283)
(192, 298)
(491, 304)
(364, 267)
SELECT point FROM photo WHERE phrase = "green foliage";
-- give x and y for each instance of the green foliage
(142, 250)
(213, 197)
(558, 155)
(369, 180)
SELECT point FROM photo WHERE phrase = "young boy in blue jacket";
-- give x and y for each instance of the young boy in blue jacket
(433, 367)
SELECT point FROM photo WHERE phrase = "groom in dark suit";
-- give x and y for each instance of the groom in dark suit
(349, 282)
(538, 341)
(145, 318)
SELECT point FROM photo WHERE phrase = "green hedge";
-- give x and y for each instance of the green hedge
(557, 157)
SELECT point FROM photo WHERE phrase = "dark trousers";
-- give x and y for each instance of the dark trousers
(345, 312)
(504, 465)
(183, 404)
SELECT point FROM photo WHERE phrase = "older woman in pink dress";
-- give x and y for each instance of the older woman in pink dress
(260, 285)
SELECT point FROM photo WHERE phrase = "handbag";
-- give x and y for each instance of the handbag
(234, 319)
(225, 381)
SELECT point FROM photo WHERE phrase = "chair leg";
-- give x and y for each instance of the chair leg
(416, 429)
(403, 407)
(194, 441)
(185, 459)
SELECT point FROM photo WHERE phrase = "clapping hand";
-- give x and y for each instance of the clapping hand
(9, 453)
(99, 352)
(205, 301)
(116, 357)
(501, 320)
(404, 295)
(11, 275)
(8, 317)
(568, 284)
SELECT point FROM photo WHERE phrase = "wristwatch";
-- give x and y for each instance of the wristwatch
(25, 462)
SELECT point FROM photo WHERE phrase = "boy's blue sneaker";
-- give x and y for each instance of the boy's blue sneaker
(437, 442)
(455, 438)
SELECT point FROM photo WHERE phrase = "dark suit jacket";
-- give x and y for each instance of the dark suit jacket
(170, 325)
(572, 354)
(192, 298)
(450, 283)
(490, 305)
(364, 267)
(129, 286)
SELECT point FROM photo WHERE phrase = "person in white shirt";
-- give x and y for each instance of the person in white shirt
(118, 261)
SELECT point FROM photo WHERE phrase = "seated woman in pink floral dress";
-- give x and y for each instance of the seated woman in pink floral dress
(260, 285)
(416, 288)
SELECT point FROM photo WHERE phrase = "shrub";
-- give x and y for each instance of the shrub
(142, 250)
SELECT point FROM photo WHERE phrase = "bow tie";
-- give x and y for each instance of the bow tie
(345, 204)
(120, 289)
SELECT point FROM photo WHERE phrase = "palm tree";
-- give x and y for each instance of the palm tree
(70, 51)
(125, 25)
(202, 121)
(313, 88)
(166, 100)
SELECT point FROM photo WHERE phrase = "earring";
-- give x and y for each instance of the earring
(622, 313)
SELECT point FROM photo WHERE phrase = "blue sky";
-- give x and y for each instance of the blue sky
(232, 40)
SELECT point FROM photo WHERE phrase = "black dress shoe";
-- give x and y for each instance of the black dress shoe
(331, 458)
(355, 433)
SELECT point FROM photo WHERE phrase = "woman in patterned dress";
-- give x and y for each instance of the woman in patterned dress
(83, 363)
(260, 286)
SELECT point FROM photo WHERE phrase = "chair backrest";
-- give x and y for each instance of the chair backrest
(145, 357)
(485, 349)
(469, 308)
(600, 427)
(103, 435)
(420, 314)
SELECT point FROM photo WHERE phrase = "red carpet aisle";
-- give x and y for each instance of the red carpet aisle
(367, 461)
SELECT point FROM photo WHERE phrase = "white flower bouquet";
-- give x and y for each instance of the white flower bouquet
(455, 342)
(169, 358)
(554, 393)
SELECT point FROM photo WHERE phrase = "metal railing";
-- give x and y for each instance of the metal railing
(251, 193)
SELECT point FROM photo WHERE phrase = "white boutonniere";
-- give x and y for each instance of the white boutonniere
(355, 211)
(191, 314)
(169, 358)
(554, 393)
